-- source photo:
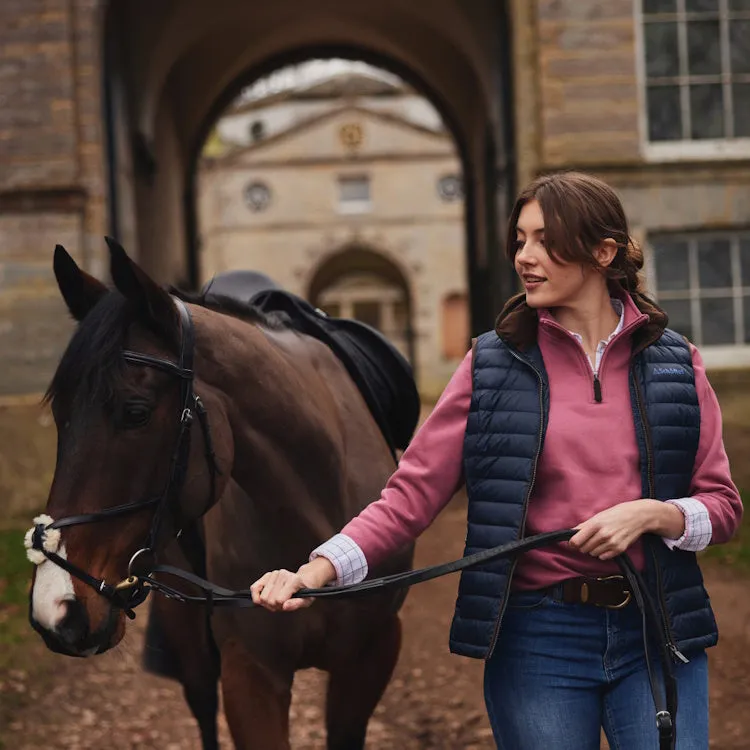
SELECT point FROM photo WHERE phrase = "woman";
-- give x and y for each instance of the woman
(580, 410)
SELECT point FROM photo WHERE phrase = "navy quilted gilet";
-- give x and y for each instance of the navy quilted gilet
(503, 441)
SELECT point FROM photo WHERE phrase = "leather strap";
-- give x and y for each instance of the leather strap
(666, 706)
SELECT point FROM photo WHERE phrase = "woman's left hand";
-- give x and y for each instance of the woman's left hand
(611, 532)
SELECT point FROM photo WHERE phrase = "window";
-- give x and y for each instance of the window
(368, 311)
(702, 280)
(372, 299)
(354, 194)
(696, 69)
(332, 309)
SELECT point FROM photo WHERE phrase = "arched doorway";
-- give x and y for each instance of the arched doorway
(363, 284)
(185, 60)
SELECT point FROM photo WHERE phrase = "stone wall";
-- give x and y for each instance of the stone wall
(38, 136)
(52, 186)
(587, 82)
(34, 324)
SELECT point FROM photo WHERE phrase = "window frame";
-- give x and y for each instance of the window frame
(686, 149)
(714, 355)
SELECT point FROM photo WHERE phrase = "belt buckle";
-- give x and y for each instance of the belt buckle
(624, 602)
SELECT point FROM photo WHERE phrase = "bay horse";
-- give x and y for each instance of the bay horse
(290, 453)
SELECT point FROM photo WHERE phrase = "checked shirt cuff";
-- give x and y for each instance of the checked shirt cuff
(347, 558)
(698, 530)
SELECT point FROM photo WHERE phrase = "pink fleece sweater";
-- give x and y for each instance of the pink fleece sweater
(590, 460)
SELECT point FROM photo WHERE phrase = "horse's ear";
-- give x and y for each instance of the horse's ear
(79, 290)
(151, 301)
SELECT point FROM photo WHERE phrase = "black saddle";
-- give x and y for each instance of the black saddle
(381, 373)
(239, 285)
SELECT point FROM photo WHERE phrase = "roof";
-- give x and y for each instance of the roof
(235, 152)
(339, 85)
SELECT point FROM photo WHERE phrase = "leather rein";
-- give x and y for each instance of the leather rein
(133, 590)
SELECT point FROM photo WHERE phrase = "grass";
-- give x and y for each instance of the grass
(15, 575)
(27, 459)
(19, 644)
(735, 553)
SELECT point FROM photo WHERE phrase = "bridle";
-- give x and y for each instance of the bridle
(130, 592)
(133, 590)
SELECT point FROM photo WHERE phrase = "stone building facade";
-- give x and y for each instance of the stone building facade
(106, 106)
(348, 193)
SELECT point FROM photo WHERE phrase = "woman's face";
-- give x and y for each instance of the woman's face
(548, 283)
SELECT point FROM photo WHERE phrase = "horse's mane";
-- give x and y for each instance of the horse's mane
(233, 307)
(91, 366)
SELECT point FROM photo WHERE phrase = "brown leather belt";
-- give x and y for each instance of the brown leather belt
(612, 592)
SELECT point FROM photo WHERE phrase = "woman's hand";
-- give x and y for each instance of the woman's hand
(274, 590)
(611, 532)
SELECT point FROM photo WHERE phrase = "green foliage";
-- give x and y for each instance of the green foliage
(15, 576)
(735, 553)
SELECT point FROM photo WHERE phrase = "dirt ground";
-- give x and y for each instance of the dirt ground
(434, 701)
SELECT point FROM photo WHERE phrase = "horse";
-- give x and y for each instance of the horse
(284, 452)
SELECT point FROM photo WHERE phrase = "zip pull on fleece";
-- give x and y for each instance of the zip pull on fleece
(597, 389)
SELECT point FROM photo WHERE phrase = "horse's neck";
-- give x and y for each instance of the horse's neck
(284, 425)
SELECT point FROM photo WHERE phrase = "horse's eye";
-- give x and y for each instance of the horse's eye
(135, 414)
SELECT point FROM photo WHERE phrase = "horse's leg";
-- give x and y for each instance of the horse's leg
(186, 652)
(356, 686)
(256, 705)
(200, 682)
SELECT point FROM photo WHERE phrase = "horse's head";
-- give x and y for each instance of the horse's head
(133, 458)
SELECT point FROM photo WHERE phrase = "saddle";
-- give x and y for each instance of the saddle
(381, 373)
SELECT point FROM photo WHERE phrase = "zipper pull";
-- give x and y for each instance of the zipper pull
(597, 389)
(678, 655)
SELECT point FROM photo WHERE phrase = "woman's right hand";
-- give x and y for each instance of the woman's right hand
(275, 589)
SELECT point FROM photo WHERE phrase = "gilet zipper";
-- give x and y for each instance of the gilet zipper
(530, 489)
(677, 655)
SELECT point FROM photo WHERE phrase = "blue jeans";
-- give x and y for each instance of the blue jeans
(560, 672)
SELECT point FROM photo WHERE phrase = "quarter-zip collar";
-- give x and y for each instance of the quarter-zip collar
(546, 318)
(631, 319)
(518, 324)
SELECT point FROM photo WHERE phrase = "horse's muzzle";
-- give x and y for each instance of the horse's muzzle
(72, 635)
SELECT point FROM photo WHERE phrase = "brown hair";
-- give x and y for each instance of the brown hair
(580, 211)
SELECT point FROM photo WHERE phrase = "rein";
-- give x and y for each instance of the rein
(43, 539)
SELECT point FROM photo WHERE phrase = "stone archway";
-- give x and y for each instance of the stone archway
(364, 284)
(185, 59)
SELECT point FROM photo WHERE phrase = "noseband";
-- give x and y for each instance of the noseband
(42, 541)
